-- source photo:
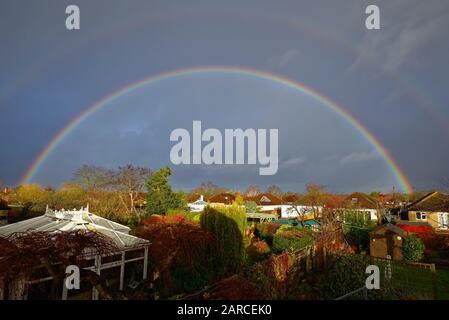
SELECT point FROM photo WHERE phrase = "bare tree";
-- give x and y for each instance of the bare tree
(207, 189)
(131, 180)
(127, 181)
(315, 199)
(275, 190)
(252, 190)
(92, 178)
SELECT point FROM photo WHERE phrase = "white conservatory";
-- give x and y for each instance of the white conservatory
(130, 248)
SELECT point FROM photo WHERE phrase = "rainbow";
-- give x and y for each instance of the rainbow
(59, 137)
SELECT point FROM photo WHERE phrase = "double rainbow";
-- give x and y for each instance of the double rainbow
(60, 136)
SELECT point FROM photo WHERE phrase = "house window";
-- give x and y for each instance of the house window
(421, 216)
(354, 200)
(443, 220)
(264, 199)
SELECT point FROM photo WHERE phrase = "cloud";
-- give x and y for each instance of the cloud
(293, 162)
(285, 58)
(356, 157)
(407, 28)
(131, 130)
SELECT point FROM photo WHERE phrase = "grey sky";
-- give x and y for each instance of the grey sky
(394, 81)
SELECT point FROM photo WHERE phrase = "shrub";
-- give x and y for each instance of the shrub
(271, 276)
(186, 257)
(188, 216)
(176, 218)
(196, 218)
(413, 248)
(154, 218)
(250, 206)
(358, 236)
(357, 229)
(172, 218)
(266, 231)
(227, 224)
(257, 251)
(346, 274)
(288, 238)
(133, 222)
(285, 227)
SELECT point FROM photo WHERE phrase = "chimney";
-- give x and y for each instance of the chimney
(201, 198)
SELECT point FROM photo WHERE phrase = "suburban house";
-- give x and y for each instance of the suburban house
(198, 205)
(432, 208)
(266, 202)
(361, 206)
(392, 199)
(293, 207)
(286, 208)
(222, 198)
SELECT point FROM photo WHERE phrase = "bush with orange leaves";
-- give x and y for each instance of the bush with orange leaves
(155, 218)
(182, 256)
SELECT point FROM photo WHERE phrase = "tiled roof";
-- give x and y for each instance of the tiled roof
(225, 198)
(265, 199)
(291, 198)
(433, 201)
(362, 201)
(388, 226)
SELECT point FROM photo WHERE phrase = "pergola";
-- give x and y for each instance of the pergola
(72, 220)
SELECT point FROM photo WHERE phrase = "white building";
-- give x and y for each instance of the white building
(198, 205)
(283, 207)
(72, 220)
(300, 211)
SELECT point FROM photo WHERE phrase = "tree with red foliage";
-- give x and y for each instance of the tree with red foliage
(182, 256)
(21, 253)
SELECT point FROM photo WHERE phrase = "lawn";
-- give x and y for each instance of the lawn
(443, 284)
(417, 283)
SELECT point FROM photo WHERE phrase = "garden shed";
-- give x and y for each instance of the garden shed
(387, 240)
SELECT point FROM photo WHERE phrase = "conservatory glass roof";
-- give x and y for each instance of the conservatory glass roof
(72, 220)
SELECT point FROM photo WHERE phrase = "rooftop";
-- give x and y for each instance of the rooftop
(433, 201)
(71, 220)
(363, 201)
